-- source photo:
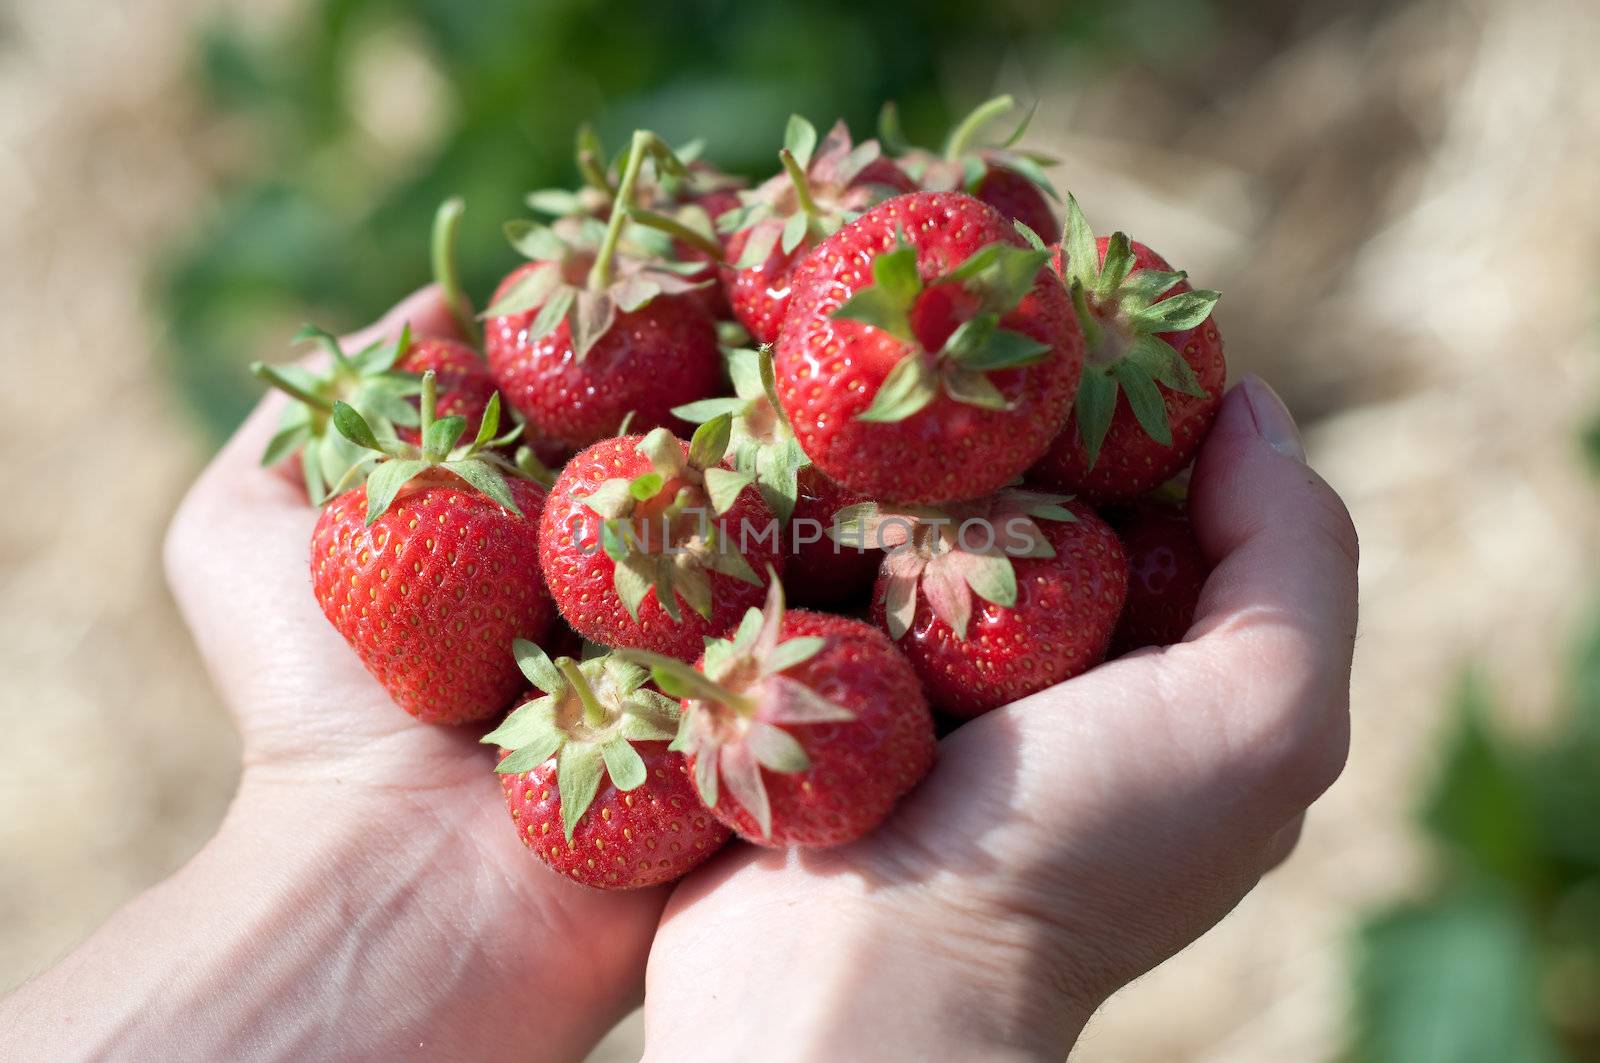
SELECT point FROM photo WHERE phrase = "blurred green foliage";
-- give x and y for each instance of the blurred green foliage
(1500, 963)
(347, 121)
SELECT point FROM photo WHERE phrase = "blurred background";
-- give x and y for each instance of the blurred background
(1400, 200)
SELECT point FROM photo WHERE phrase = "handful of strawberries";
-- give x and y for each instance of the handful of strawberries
(906, 402)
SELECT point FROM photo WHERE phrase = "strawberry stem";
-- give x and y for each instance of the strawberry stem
(802, 186)
(962, 136)
(600, 274)
(677, 230)
(443, 249)
(594, 713)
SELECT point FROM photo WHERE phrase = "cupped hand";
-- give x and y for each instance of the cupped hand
(469, 941)
(1067, 843)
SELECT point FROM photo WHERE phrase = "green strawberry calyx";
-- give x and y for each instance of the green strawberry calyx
(762, 443)
(953, 553)
(739, 709)
(968, 154)
(994, 279)
(657, 528)
(659, 187)
(817, 192)
(587, 274)
(1124, 313)
(366, 381)
(398, 463)
(590, 715)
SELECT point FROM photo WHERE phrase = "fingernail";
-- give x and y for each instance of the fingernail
(1273, 420)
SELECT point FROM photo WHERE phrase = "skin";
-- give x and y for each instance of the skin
(364, 895)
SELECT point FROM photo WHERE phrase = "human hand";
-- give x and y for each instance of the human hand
(365, 894)
(1065, 844)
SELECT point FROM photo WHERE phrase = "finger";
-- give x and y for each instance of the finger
(1268, 658)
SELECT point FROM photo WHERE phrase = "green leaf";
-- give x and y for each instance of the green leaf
(1034, 240)
(909, 387)
(1118, 261)
(1082, 265)
(647, 486)
(1149, 408)
(1186, 310)
(488, 425)
(486, 480)
(624, 764)
(1161, 361)
(611, 499)
(776, 749)
(992, 578)
(794, 232)
(1145, 286)
(353, 426)
(886, 303)
(441, 436)
(791, 652)
(556, 202)
(633, 577)
(800, 138)
(578, 779)
(1001, 273)
(1454, 981)
(974, 389)
(596, 312)
(979, 344)
(386, 481)
(703, 410)
(537, 666)
(724, 486)
(552, 313)
(535, 752)
(760, 244)
(535, 241)
(287, 440)
(710, 441)
(890, 132)
(1094, 406)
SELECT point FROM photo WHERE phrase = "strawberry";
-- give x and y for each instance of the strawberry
(1051, 579)
(638, 527)
(592, 788)
(820, 187)
(932, 370)
(1166, 573)
(764, 447)
(578, 339)
(1155, 369)
(1012, 182)
(431, 568)
(370, 381)
(802, 729)
(463, 381)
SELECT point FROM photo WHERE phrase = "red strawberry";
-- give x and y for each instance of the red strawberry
(580, 338)
(932, 371)
(1155, 369)
(804, 729)
(1166, 573)
(638, 527)
(431, 569)
(822, 184)
(1051, 579)
(1012, 182)
(592, 788)
(465, 386)
(765, 449)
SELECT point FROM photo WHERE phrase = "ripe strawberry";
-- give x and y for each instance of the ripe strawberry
(764, 448)
(635, 524)
(928, 371)
(592, 788)
(1012, 182)
(578, 339)
(463, 380)
(370, 381)
(804, 729)
(1052, 579)
(820, 187)
(431, 569)
(1155, 369)
(1166, 573)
